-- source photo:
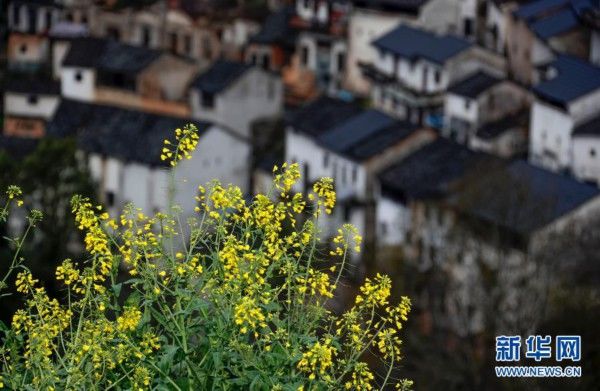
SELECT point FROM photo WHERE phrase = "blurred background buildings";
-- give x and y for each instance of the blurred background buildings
(463, 137)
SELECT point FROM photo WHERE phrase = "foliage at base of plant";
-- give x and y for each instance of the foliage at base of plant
(235, 298)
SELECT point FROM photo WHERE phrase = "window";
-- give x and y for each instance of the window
(341, 61)
(354, 174)
(84, 19)
(69, 17)
(592, 152)
(437, 75)
(344, 176)
(206, 48)
(208, 100)
(266, 62)
(23, 48)
(271, 89)
(78, 76)
(492, 102)
(468, 27)
(326, 160)
(48, 20)
(113, 33)
(187, 44)
(173, 42)
(16, 14)
(110, 198)
(383, 228)
(32, 99)
(146, 36)
(467, 104)
(304, 55)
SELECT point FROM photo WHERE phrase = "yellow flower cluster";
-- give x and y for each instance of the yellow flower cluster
(286, 177)
(325, 195)
(67, 273)
(130, 319)
(347, 237)
(248, 315)
(375, 292)
(25, 282)
(239, 283)
(96, 240)
(361, 379)
(318, 360)
(14, 192)
(317, 283)
(186, 142)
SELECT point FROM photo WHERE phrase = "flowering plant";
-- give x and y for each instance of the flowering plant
(235, 298)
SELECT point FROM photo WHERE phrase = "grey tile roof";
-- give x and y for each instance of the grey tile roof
(84, 52)
(473, 85)
(535, 8)
(574, 79)
(588, 128)
(219, 76)
(276, 29)
(399, 6)
(430, 171)
(355, 130)
(556, 24)
(521, 197)
(17, 147)
(491, 130)
(412, 43)
(321, 115)
(112, 131)
(23, 85)
(109, 55)
(381, 140)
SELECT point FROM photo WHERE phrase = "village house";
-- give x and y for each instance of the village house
(478, 99)
(538, 29)
(337, 139)
(506, 137)
(27, 48)
(321, 44)
(415, 67)
(106, 71)
(370, 19)
(273, 45)
(464, 217)
(586, 145)
(567, 97)
(28, 105)
(105, 135)
(235, 94)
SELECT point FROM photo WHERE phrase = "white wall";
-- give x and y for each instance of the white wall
(18, 104)
(550, 131)
(461, 107)
(595, 47)
(585, 107)
(364, 26)
(219, 155)
(80, 90)
(419, 75)
(305, 151)
(442, 16)
(495, 17)
(256, 94)
(393, 221)
(586, 158)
